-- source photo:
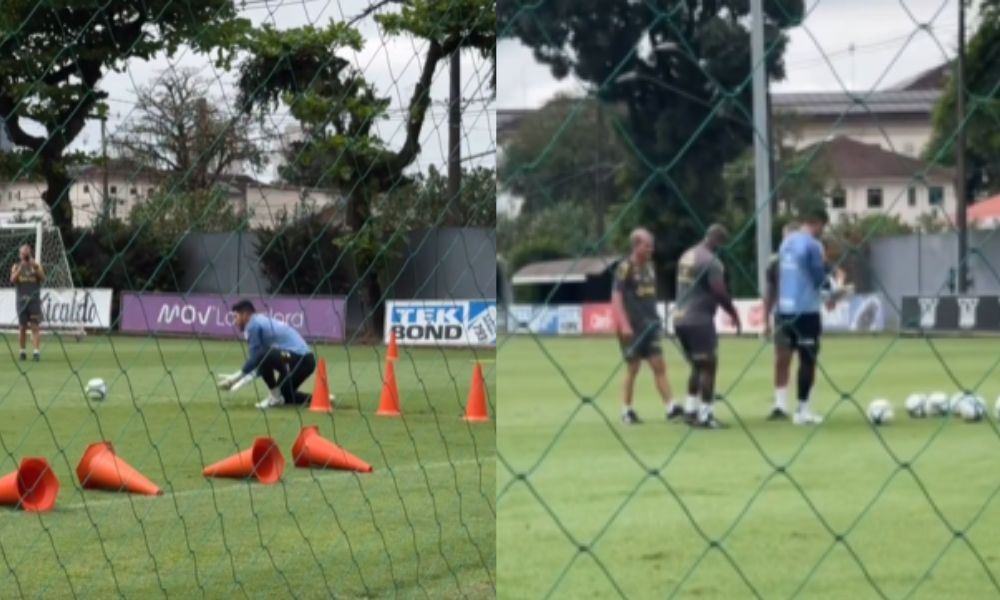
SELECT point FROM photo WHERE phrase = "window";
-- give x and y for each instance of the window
(908, 149)
(149, 193)
(134, 192)
(18, 194)
(86, 189)
(874, 197)
(911, 196)
(935, 195)
(114, 189)
(838, 199)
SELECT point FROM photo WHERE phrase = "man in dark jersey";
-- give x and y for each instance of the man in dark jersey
(27, 276)
(701, 290)
(633, 299)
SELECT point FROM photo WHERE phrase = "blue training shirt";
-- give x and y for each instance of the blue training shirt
(264, 333)
(801, 274)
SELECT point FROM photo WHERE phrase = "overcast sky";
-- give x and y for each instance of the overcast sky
(392, 64)
(889, 46)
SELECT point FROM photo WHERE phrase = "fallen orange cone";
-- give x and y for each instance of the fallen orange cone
(321, 400)
(475, 407)
(101, 469)
(32, 487)
(389, 402)
(393, 352)
(313, 450)
(263, 461)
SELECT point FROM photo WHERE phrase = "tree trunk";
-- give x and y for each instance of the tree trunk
(371, 290)
(56, 195)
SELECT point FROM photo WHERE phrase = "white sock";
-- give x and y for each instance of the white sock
(691, 404)
(803, 406)
(781, 398)
(705, 412)
(669, 406)
(626, 408)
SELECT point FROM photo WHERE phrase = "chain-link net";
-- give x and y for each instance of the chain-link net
(193, 154)
(657, 131)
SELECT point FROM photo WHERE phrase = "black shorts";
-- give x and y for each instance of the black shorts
(29, 310)
(644, 345)
(798, 332)
(698, 342)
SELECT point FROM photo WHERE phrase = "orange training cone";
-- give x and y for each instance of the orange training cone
(321, 393)
(389, 403)
(263, 460)
(393, 352)
(313, 450)
(101, 469)
(475, 408)
(32, 487)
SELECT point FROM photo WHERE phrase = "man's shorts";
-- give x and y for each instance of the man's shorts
(644, 345)
(698, 342)
(798, 332)
(29, 310)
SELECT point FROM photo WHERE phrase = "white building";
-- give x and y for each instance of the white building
(128, 185)
(866, 179)
(872, 141)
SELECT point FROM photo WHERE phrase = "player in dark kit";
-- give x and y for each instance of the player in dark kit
(633, 299)
(27, 276)
(701, 290)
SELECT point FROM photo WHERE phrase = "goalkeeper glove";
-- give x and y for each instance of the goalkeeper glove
(235, 381)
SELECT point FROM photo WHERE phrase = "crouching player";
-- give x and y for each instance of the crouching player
(277, 353)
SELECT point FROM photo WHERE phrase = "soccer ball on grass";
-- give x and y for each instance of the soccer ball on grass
(97, 389)
(916, 406)
(880, 412)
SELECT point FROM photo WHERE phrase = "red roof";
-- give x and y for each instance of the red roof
(985, 209)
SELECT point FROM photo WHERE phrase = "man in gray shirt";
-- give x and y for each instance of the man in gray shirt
(633, 299)
(701, 289)
(27, 276)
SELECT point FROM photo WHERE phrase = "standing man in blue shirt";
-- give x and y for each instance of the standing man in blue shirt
(277, 353)
(801, 275)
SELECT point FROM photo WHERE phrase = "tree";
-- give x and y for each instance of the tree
(569, 150)
(681, 73)
(53, 56)
(338, 109)
(425, 202)
(179, 128)
(557, 231)
(177, 213)
(982, 85)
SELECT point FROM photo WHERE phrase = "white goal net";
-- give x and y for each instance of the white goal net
(58, 287)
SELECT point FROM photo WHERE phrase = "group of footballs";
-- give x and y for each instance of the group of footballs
(969, 407)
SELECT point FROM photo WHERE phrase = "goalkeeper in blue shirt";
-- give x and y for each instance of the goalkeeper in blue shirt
(277, 353)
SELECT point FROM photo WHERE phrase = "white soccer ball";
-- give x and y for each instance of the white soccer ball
(880, 412)
(953, 402)
(916, 406)
(97, 389)
(937, 404)
(971, 408)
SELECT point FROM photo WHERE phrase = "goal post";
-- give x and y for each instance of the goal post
(50, 252)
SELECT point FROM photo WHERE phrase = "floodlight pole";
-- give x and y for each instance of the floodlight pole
(960, 179)
(762, 146)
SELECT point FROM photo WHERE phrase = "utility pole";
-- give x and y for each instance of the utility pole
(455, 132)
(762, 162)
(108, 208)
(960, 181)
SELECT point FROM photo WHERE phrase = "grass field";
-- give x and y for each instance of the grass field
(421, 525)
(764, 509)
